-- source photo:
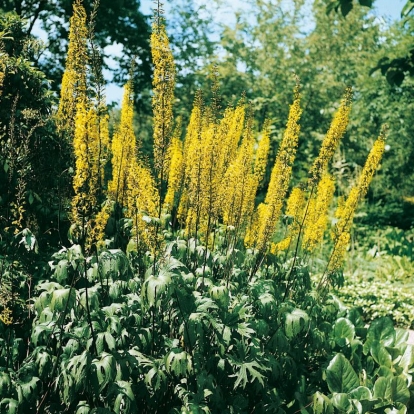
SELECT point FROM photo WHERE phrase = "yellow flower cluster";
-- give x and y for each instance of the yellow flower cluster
(6, 316)
(294, 209)
(90, 144)
(176, 172)
(345, 213)
(280, 177)
(123, 149)
(332, 138)
(73, 90)
(316, 220)
(142, 204)
(163, 95)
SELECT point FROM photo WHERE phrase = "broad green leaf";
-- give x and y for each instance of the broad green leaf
(41, 334)
(27, 390)
(5, 384)
(361, 393)
(155, 378)
(105, 341)
(61, 271)
(343, 330)
(43, 361)
(296, 321)
(401, 337)
(83, 408)
(63, 300)
(407, 360)
(78, 367)
(322, 404)
(340, 375)
(392, 389)
(399, 390)
(9, 406)
(381, 330)
(124, 399)
(341, 402)
(154, 286)
(381, 355)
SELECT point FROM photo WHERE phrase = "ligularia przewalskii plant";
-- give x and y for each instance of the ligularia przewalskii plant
(181, 293)
(210, 179)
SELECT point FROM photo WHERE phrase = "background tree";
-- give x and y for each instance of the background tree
(118, 22)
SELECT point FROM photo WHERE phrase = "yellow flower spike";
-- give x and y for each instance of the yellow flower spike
(345, 213)
(163, 94)
(262, 153)
(176, 172)
(332, 138)
(238, 188)
(280, 177)
(294, 209)
(143, 200)
(123, 149)
(73, 90)
(318, 214)
(338, 254)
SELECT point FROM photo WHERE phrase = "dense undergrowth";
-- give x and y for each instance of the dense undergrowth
(176, 290)
(378, 275)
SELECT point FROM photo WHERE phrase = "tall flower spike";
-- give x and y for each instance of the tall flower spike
(74, 78)
(262, 153)
(346, 212)
(123, 149)
(317, 220)
(163, 92)
(280, 177)
(294, 209)
(332, 138)
(176, 172)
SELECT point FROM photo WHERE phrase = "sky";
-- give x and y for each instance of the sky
(386, 9)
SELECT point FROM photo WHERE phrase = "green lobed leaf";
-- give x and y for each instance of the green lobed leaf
(63, 299)
(296, 321)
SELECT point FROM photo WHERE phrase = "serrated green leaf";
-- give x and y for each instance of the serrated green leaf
(340, 375)
(105, 369)
(178, 362)
(247, 369)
